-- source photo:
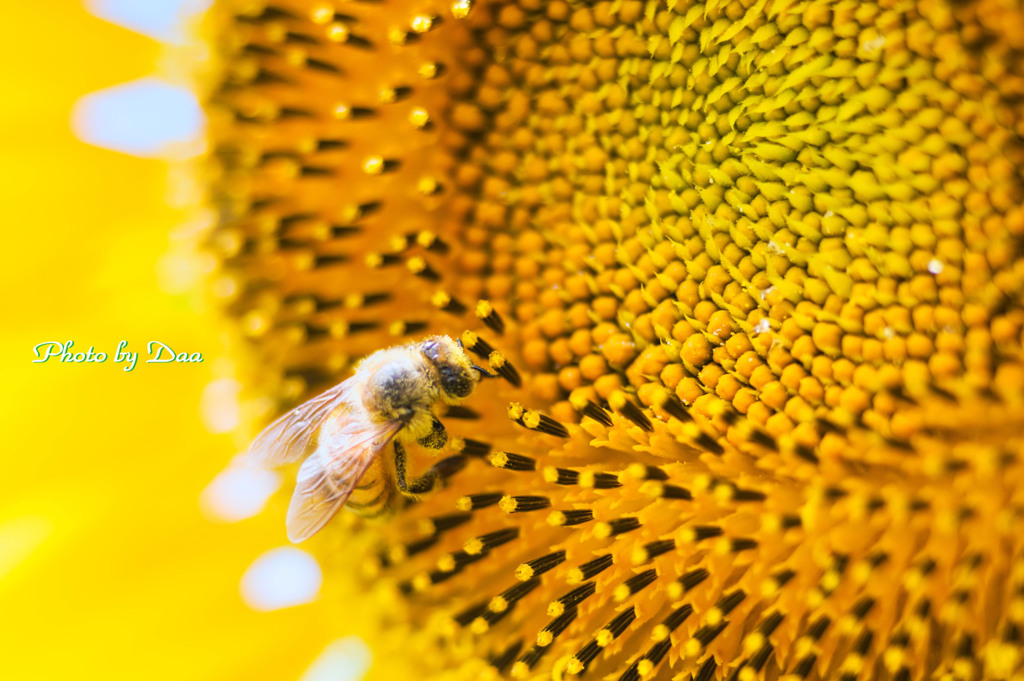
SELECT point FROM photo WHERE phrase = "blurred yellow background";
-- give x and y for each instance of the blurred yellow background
(108, 569)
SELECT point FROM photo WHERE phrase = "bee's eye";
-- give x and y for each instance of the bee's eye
(454, 381)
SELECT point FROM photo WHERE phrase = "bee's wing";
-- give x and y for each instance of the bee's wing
(328, 476)
(286, 439)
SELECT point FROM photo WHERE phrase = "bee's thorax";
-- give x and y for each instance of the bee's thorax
(400, 387)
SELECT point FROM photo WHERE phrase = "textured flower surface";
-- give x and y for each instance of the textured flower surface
(752, 273)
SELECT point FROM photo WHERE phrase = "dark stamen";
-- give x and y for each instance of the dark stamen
(489, 316)
(595, 412)
(539, 566)
(512, 462)
(473, 502)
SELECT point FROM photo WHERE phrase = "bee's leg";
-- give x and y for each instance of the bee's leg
(437, 437)
(400, 467)
(437, 473)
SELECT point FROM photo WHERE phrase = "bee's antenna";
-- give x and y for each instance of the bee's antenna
(484, 373)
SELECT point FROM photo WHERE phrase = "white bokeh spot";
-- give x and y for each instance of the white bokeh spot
(281, 578)
(163, 20)
(147, 117)
(346, 659)
(237, 493)
(219, 408)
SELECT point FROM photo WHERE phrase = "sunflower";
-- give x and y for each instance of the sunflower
(751, 272)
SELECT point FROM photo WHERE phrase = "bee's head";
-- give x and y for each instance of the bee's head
(455, 369)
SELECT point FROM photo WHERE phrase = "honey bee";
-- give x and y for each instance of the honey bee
(389, 399)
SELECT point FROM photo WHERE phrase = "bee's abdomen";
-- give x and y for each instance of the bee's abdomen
(375, 493)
